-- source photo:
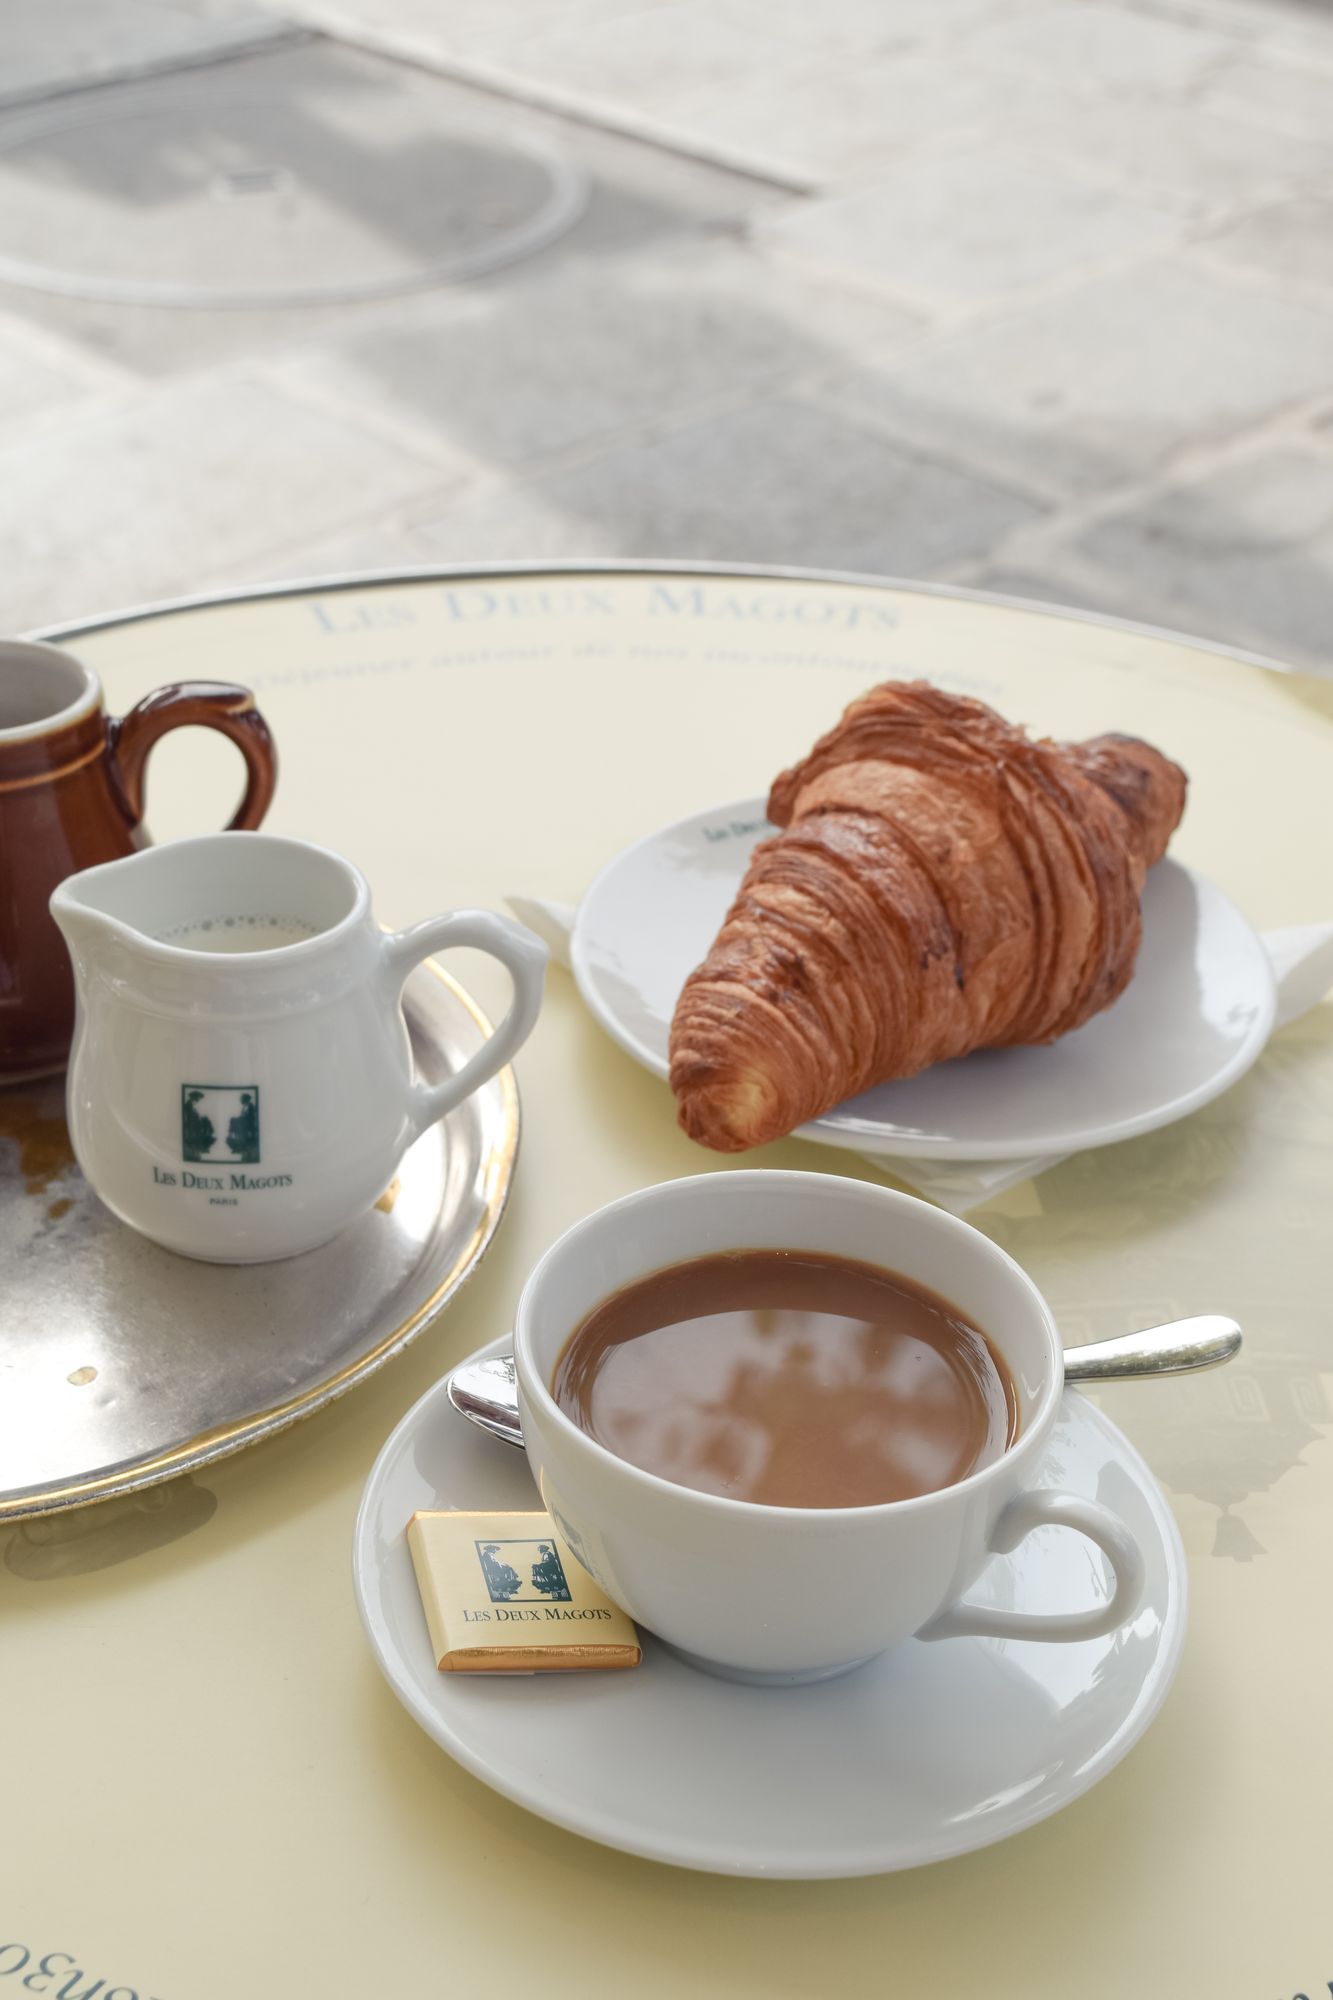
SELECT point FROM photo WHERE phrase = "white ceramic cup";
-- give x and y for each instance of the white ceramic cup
(245, 1105)
(795, 1593)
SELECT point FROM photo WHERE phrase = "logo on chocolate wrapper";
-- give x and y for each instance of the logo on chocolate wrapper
(528, 1572)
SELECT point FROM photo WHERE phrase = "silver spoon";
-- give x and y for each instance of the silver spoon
(486, 1393)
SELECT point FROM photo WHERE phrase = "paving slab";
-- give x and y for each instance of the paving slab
(1073, 582)
(862, 28)
(827, 121)
(465, 28)
(1288, 29)
(974, 224)
(638, 197)
(51, 47)
(1282, 27)
(1247, 550)
(1096, 46)
(178, 490)
(1054, 584)
(564, 358)
(731, 80)
(1282, 96)
(375, 542)
(1208, 158)
(43, 378)
(746, 78)
(648, 58)
(1058, 254)
(1288, 239)
(1085, 391)
(308, 172)
(780, 481)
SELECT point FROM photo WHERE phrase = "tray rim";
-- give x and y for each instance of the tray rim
(223, 1440)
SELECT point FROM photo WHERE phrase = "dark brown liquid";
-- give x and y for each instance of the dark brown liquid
(789, 1378)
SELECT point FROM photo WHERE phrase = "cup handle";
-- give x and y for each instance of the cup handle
(203, 704)
(1061, 1510)
(524, 957)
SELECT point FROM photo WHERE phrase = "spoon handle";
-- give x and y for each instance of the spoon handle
(1174, 1349)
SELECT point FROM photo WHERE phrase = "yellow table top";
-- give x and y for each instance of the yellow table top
(210, 1790)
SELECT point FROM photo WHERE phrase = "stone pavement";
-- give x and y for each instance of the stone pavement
(1028, 294)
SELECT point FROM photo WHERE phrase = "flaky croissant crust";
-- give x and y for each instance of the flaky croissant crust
(942, 884)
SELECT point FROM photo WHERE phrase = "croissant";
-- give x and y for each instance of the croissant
(941, 884)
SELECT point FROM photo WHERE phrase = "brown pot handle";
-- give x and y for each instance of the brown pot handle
(206, 704)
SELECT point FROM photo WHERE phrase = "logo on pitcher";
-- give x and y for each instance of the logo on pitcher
(220, 1121)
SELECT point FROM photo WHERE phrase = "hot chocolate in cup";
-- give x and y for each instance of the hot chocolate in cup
(792, 1593)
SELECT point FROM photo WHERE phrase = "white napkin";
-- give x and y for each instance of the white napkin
(1302, 963)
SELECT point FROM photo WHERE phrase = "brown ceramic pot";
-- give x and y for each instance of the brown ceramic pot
(71, 795)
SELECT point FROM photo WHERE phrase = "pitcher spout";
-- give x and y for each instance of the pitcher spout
(95, 908)
(222, 921)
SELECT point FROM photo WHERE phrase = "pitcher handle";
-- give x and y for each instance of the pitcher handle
(203, 704)
(523, 956)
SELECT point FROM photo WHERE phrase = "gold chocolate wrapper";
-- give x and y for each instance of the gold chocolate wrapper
(503, 1595)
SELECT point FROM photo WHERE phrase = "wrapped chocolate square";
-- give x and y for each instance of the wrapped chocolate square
(502, 1595)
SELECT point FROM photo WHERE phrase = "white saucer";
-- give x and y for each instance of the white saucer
(1195, 1016)
(929, 1751)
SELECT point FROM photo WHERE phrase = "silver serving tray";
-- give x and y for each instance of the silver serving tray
(122, 1365)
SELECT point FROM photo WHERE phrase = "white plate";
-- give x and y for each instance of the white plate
(1195, 1016)
(929, 1751)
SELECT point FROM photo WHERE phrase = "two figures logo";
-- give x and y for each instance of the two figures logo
(504, 1583)
(220, 1122)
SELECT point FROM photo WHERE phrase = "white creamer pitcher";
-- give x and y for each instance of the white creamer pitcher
(241, 1082)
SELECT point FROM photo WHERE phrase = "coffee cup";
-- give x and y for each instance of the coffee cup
(71, 795)
(241, 1082)
(788, 1594)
